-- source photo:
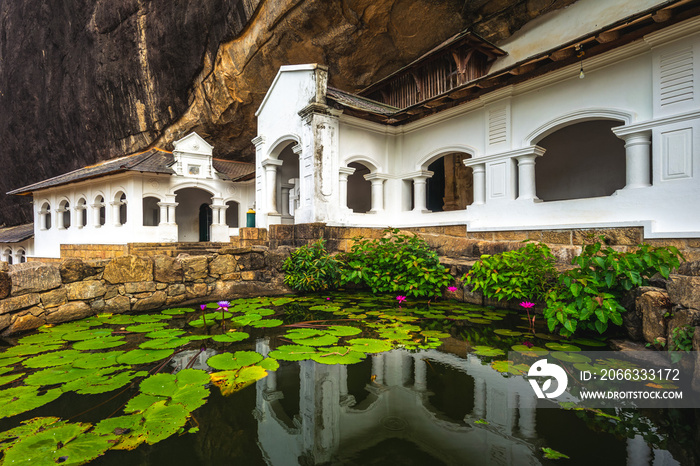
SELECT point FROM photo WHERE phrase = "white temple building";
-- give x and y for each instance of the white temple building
(587, 117)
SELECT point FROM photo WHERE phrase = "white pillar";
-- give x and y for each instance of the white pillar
(270, 166)
(637, 158)
(42, 219)
(285, 199)
(343, 185)
(163, 213)
(479, 397)
(377, 181)
(171, 213)
(527, 188)
(59, 219)
(96, 214)
(79, 208)
(419, 190)
(115, 213)
(479, 182)
(420, 382)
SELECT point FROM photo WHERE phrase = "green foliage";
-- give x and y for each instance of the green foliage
(682, 338)
(396, 263)
(524, 274)
(586, 297)
(311, 268)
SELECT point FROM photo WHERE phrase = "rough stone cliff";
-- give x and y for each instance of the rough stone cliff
(85, 80)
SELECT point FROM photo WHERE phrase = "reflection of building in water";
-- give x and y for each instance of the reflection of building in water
(332, 427)
(192, 359)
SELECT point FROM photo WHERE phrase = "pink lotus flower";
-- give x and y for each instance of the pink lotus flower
(400, 299)
(529, 344)
(224, 304)
(202, 306)
(527, 304)
(451, 289)
(328, 299)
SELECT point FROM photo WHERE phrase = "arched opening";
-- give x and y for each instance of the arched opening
(188, 214)
(232, 213)
(582, 160)
(151, 211)
(205, 220)
(21, 256)
(7, 255)
(451, 186)
(288, 196)
(100, 211)
(120, 201)
(45, 216)
(359, 189)
(64, 215)
(81, 208)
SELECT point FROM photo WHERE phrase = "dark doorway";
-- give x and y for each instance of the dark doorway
(436, 186)
(204, 222)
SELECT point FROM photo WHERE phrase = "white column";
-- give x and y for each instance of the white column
(637, 159)
(59, 219)
(479, 182)
(171, 213)
(163, 213)
(527, 188)
(420, 382)
(78, 221)
(42, 219)
(479, 397)
(270, 166)
(285, 199)
(96, 215)
(115, 213)
(419, 191)
(377, 181)
(344, 172)
(378, 368)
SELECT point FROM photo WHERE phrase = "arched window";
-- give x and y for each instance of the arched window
(100, 211)
(451, 186)
(63, 215)
(21, 256)
(151, 211)
(232, 214)
(81, 212)
(359, 189)
(119, 208)
(45, 216)
(7, 255)
(582, 160)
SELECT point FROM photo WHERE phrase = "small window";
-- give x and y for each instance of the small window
(232, 214)
(45, 216)
(64, 212)
(151, 211)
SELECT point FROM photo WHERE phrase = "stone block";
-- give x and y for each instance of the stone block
(612, 236)
(681, 318)
(54, 298)
(693, 243)
(161, 286)
(509, 235)
(557, 237)
(5, 284)
(155, 301)
(249, 275)
(33, 277)
(112, 291)
(19, 302)
(70, 311)
(655, 307)
(281, 232)
(251, 261)
(168, 269)
(129, 269)
(117, 305)
(696, 348)
(87, 289)
(194, 268)
(24, 323)
(684, 290)
(222, 264)
(257, 234)
(4, 266)
(230, 276)
(176, 290)
(98, 305)
(172, 300)
(632, 318)
(691, 268)
(274, 259)
(236, 250)
(139, 287)
(5, 321)
(73, 270)
(196, 290)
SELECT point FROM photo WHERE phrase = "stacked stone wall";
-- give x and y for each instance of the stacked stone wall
(33, 293)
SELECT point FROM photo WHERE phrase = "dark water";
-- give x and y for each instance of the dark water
(402, 407)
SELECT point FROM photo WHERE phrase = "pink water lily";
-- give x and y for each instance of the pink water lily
(531, 322)
(527, 304)
(224, 304)
(529, 344)
(202, 306)
(400, 299)
(451, 289)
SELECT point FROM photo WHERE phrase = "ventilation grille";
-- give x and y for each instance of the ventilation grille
(497, 126)
(676, 77)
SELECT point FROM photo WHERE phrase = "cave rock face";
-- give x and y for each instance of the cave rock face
(85, 80)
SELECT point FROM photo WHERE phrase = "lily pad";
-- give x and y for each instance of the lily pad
(509, 368)
(99, 382)
(127, 430)
(97, 360)
(166, 333)
(142, 356)
(369, 345)
(87, 334)
(24, 398)
(230, 337)
(487, 351)
(177, 311)
(38, 338)
(338, 355)
(589, 342)
(269, 364)
(233, 381)
(164, 343)
(228, 361)
(571, 357)
(151, 318)
(5, 379)
(99, 343)
(551, 454)
(161, 421)
(266, 323)
(562, 347)
(146, 328)
(57, 358)
(507, 333)
(26, 350)
(56, 375)
(292, 352)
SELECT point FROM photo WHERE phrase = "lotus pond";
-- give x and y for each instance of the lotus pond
(333, 379)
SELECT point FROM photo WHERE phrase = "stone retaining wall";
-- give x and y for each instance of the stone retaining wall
(33, 294)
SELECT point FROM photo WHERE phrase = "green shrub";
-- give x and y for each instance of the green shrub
(311, 268)
(524, 274)
(586, 297)
(396, 263)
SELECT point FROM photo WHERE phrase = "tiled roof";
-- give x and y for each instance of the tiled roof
(17, 233)
(234, 171)
(151, 161)
(359, 103)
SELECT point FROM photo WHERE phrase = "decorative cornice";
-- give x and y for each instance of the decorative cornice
(679, 31)
(258, 140)
(648, 125)
(537, 151)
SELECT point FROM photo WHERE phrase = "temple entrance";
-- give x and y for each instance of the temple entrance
(205, 220)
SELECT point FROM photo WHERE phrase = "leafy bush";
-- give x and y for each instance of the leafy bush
(586, 297)
(524, 274)
(311, 268)
(395, 263)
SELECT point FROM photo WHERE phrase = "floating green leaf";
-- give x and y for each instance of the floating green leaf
(142, 356)
(56, 375)
(230, 337)
(97, 360)
(26, 350)
(99, 343)
(507, 333)
(177, 311)
(232, 381)
(510, 368)
(164, 343)
(571, 357)
(487, 351)
(369, 345)
(17, 400)
(269, 364)
(146, 328)
(161, 421)
(166, 333)
(228, 361)
(551, 454)
(338, 355)
(562, 347)
(87, 334)
(54, 359)
(589, 342)
(266, 323)
(292, 352)
(151, 318)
